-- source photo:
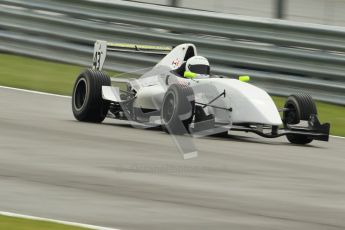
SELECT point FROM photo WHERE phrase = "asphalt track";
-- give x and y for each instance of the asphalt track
(117, 176)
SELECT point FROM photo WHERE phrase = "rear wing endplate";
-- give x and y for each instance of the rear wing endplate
(101, 48)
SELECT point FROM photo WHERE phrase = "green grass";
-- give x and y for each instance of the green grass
(34, 74)
(14, 223)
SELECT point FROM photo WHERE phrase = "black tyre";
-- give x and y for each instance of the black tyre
(178, 109)
(299, 107)
(87, 102)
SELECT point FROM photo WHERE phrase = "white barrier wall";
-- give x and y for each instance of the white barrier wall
(329, 12)
(260, 8)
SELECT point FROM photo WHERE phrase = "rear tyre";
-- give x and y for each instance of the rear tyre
(87, 102)
(300, 107)
(178, 109)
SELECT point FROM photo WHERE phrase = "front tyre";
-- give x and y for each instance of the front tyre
(298, 107)
(87, 102)
(178, 109)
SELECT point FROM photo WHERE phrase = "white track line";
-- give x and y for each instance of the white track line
(33, 91)
(57, 95)
(337, 137)
(10, 214)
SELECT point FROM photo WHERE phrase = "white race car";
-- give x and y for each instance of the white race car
(180, 95)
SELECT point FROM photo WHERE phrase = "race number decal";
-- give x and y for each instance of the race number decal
(99, 54)
(97, 60)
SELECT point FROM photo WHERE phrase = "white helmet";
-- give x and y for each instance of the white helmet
(198, 65)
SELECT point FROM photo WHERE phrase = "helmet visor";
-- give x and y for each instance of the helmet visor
(200, 69)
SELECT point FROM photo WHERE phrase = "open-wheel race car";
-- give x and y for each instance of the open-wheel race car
(180, 94)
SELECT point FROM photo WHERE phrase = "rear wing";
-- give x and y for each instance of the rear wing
(101, 48)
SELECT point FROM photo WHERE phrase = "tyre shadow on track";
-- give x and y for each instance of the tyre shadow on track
(259, 140)
(230, 137)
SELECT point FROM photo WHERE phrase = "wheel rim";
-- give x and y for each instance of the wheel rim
(291, 115)
(80, 94)
(169, 107)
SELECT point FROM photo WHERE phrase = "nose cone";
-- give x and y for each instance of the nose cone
(250, 104)
(266, 110)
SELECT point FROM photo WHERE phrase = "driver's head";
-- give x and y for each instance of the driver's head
(198, 65)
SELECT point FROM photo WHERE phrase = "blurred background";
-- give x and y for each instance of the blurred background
(330, 12)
